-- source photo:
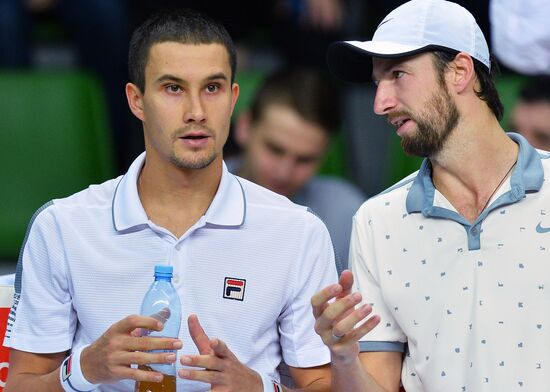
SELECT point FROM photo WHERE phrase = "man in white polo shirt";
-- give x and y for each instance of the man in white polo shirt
(88, 259)
(454, 260)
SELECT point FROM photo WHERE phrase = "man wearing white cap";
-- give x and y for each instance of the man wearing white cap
(454, 259)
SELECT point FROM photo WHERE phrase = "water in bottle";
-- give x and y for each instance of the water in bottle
(162, 303)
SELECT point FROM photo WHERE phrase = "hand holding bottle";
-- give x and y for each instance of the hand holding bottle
(108, 359)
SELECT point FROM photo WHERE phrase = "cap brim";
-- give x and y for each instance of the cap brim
(351, 61)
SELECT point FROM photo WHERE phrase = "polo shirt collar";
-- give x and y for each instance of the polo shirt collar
(228, 208)
(528, 176)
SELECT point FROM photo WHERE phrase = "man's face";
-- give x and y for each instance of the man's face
(284, 150)
(187, 103)
(410, 93)
(532, 120)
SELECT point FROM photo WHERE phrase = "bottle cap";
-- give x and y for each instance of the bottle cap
(164, 270)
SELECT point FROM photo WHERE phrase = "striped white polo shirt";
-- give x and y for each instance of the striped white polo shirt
(247, 268)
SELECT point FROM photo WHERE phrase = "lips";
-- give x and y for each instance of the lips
(195, 135)
(195, 139)
(400, 122)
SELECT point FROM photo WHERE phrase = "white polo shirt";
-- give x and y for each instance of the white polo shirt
(470, 301)
(88, 260)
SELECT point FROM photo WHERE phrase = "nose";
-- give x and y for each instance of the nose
(195, 111)
(384, 100)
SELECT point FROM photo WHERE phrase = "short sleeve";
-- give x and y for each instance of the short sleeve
(42, 319)
(387, 335)
(302, 347)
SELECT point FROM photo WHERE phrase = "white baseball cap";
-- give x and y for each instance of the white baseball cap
(414, 27)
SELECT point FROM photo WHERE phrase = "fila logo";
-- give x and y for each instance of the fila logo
(234, 288)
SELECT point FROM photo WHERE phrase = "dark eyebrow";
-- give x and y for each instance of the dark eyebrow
(217, 76)
(172, 78)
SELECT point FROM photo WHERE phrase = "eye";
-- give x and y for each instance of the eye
(398, 74)
(212, 88)
(173, 88)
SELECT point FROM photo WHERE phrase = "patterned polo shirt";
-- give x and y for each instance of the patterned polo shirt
(468, 303)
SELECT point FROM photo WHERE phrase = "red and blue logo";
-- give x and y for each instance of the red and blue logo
(233, 288)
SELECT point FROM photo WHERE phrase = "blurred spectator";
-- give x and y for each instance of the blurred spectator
(521, 34)
(285, 136)
(531, 115)
(98, 31)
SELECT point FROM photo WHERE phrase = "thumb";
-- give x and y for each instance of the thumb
(200, 338)
(221, 350)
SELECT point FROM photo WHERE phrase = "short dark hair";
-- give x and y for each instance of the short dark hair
(177, 25)
(307, 91)
(537, 89)
(487, 89)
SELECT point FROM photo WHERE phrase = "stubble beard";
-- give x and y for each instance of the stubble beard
(193, 164)
(434, 125)
(198, 160)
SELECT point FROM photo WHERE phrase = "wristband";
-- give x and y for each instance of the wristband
(70, 374)
(270, 385)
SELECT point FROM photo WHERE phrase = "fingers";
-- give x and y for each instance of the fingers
(146, 358)
(346, 281)
(319, 301)
(209, 362)
(130, 323)
(142, 374)
(200, 338)
(348, 323)
(150, 343)
(365, 328)
(208, 376)
(337, 311)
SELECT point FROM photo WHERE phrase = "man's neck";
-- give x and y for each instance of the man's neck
(174, 198)
(475, 162)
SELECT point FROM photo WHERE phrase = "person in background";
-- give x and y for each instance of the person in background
(452, 260)
(531, 114)
(87, 259)
(285, 137)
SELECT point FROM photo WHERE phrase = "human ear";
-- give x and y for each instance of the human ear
(463, 72)
(135, 100)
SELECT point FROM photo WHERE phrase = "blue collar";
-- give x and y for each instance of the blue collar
(528, 176)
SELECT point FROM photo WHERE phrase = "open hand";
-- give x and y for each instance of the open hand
(337, 322)
(221, 368)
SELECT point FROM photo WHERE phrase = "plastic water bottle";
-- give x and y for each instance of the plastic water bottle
(162, 303)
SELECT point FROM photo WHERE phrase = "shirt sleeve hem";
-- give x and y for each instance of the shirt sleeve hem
(39, 345)
(381, 346)
(310, 358)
